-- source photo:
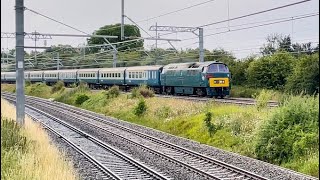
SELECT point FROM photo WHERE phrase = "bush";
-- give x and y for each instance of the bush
(142, 91)
(69, 97)
(57, 87)
(81, 98)
(291, 132)
(113, 92)
(141, 108)
(270, 72)
(305, 77)
(212, 128)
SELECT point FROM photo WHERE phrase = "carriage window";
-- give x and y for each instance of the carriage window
(140, 74)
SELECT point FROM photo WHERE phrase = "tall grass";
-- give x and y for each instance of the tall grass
(142, 91)
(26, 153)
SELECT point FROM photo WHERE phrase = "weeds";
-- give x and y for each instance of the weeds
(81, 98)
(141, 108)
(57, 87)
(113, 92)
(263, 98)
(142, 91)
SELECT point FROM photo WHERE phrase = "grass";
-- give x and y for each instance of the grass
(27, 153)
(235, 128)
(249, 92)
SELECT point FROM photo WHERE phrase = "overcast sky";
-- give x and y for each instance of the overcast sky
(90, 15)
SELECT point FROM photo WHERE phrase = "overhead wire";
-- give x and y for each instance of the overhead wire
(256, 26)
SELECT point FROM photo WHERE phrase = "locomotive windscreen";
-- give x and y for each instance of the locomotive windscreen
(213, 68)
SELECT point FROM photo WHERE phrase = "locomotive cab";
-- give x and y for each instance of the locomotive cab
(218, 79)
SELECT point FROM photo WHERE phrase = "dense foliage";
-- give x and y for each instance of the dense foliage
(271, 71)
(291, 132)
(305, 76)
(131, 31)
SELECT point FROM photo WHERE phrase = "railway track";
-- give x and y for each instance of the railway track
(110, 163)
(238, 101)
(203, 167)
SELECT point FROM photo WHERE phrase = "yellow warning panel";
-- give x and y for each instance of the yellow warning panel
(219, 82)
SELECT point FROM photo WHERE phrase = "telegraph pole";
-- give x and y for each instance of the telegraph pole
(20, 98)
(201, 51)
(58, 61)
(35, 47)
(156, 36)
(122, 19)
(114, 57)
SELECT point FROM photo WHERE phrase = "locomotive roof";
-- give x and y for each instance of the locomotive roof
(178, 65)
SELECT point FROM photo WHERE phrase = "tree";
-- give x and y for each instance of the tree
(304, 48)
(270, 71)
(115, 30)
(276, 42)
(62, 49)
(305, 76)
(238, 72)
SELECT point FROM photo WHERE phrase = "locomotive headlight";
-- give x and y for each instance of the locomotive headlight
(221, 81)
(216, 81)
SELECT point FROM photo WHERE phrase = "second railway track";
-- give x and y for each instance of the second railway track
(197, 165)
(110, 163)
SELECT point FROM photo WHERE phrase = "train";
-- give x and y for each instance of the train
(210, 78)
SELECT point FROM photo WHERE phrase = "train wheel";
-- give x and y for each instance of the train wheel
(169, 90)
(200, 92)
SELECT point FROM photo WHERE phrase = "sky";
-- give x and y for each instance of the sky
(90, 15)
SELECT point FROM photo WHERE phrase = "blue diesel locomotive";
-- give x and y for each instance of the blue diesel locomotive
(195, 78)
